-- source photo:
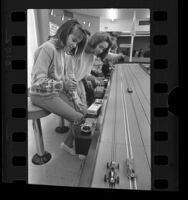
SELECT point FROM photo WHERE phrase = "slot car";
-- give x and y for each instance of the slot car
(111, 176)
(129, 90)
(94, 109)
(130, 168)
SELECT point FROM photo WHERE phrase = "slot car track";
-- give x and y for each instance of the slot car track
(125, 135)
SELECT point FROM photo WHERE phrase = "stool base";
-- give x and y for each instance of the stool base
(62, 129)
(40, 160)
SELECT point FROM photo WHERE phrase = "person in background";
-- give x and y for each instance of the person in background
(98, 45)
(96, 70)
(107, 67)
(49, 85)
(136, 53)
(141, 53)
(113, 56)
(147, 51)
(114, 37)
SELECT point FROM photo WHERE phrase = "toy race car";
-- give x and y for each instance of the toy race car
(129, 90)
(111, 175)
(130, 168)
(94, 109)
(98, 101)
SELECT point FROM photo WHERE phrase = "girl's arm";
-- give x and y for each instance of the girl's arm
(114, 57)
(43, 66)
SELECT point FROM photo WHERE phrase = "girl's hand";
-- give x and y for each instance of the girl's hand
(97, 82)
(70, 85)
(83, 110)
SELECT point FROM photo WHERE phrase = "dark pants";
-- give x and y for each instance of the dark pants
(89, 92)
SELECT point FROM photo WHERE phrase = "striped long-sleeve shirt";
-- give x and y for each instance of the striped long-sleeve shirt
(47, 75)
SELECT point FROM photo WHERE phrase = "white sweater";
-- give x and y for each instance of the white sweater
(48, 70)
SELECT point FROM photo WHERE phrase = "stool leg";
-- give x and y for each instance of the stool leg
(61, 122)
(61, 127)
(42, 156)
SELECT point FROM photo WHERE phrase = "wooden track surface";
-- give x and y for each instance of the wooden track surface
(141, 59)
(137, 105)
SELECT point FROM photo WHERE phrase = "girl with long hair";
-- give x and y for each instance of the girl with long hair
(49, 85)
(79, 68)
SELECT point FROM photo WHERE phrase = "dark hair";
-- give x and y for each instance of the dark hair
(87, 32)
(96, 39)
(65, 30)
(113, 34)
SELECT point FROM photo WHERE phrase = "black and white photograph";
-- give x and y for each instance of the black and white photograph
(88, 78)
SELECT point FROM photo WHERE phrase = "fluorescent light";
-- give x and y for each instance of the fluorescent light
(62, 17)
(113, 14)
(52, 12)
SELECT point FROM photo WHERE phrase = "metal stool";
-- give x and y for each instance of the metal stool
(35, 113)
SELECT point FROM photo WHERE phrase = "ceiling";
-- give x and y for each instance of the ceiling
(121, 13)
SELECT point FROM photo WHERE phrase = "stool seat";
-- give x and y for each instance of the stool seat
(35, 112)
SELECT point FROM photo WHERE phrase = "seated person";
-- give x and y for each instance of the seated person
(79, 68)
(106, 68)
(96, 70)
(49, 85)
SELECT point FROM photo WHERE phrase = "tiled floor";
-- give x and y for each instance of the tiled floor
(63, 169)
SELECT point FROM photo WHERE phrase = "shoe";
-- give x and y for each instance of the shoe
(81, 157)
(68, 149)
(63, 129)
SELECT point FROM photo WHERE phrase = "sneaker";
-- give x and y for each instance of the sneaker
(81, 157)
(63, 129)
(68, 149)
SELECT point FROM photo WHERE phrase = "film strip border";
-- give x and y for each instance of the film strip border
(14, 83)
(163, 87)
(164, 71)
